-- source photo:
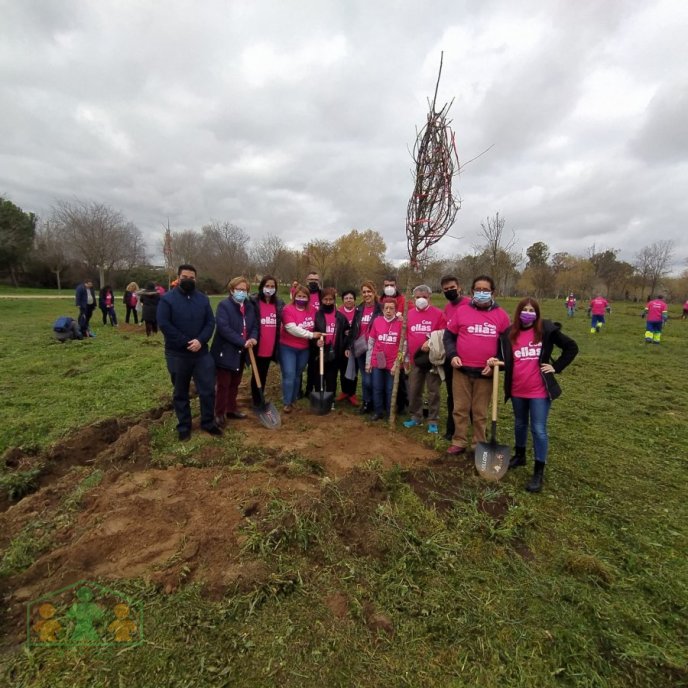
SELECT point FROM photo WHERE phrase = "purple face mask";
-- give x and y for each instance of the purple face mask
(527, 317)
(301, 303)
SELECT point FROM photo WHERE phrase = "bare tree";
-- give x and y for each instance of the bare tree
(653, 263)
(100, 237)
(499, 250)
(268, 253)
(52, 249)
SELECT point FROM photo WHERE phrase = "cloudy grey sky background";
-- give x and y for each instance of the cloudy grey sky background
(296, 117)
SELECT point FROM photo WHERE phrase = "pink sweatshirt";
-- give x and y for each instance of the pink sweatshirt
(420, 325)
(386, 337)
(477, 333)
(598, 305)
(655, 308)
(304, 319)
(527, 381)
(267, 328)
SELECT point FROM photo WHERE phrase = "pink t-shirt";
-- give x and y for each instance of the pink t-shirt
(314, 303)
(598, 305)
(477, 332)
(349, 315)
(108, 299)
(655, 308)
(527, 381)
(451, 308)
(570, 302)
(305, 319)
(387, 337)
(267, 328)
(420, 325)
(330, 319)
(365, 320)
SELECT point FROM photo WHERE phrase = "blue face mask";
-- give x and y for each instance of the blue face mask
(239, 295)
(482, 297)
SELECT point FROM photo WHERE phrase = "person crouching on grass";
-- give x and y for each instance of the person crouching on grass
(526, 349)
(381, 358)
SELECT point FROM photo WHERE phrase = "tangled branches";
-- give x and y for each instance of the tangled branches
(432, 207)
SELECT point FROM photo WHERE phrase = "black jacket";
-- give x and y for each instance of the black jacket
(355, 328)
(551, 336)
(255, 302)
(149, 305)
(341, 325)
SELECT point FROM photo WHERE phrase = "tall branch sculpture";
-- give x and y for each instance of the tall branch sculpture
(432, 207)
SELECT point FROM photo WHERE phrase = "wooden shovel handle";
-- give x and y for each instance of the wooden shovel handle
(254, 368)
(322, 359)
(495, 389)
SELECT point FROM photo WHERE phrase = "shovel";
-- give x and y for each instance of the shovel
(266, 412)
(492, 459)
(321, 402)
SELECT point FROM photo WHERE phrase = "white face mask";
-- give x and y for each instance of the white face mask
(421, 303)
(268, 291)
(390, 291)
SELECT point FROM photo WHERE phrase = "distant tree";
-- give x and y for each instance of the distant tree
(358, 256)
(320, 255)
(52, 249)
(98, 236)
(225, 252)
(268, 255)
(538, 254)
(499, 250)
(653, 263)
(540, 275)
(17, 230)
(605, 265)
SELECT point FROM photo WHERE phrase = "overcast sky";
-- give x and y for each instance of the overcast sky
(295, 117)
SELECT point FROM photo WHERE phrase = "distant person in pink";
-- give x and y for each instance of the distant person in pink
(298, 324)
(598, 307)
(656, 313)
(423, 320)
(685, 310)
(469, 340)
(570, 305)
(526, 349)
(384, 339)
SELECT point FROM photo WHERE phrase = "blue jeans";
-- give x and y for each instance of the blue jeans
(383, 381)
(538, 409)
(597, 320)
(292, 362)
(202, 369)
(366, 381)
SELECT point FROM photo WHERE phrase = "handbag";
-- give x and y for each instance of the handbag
(360, 346)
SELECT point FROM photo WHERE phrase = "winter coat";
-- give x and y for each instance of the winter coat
(149, 302)
(551, 336)
(255, 302)
(183, 317)
(229, 342)
(81, 296)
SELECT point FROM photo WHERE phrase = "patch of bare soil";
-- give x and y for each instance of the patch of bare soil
(186, 524)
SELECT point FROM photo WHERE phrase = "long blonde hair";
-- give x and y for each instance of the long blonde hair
(132, 286)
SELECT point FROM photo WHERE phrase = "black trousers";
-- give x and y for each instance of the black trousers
(130, 310)
(448, 381)
(262, 366)
(348, 386)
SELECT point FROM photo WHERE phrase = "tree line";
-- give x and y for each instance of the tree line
(81, 238)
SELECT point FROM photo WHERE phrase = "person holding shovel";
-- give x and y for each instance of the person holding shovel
(268, 307)
(381, 358)
(237, 331)
(298, 328)
(526, 349)
(334, 325)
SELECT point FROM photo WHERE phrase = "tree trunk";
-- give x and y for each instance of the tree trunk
(57, 275)
(101, 275)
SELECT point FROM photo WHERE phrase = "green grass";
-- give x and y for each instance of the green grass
(585, 584)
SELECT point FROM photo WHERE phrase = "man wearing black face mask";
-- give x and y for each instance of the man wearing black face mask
(186, 320)
(452, 292)
(312, 374)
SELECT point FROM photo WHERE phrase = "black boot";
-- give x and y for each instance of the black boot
(366, 407)
(519, 458)
(535, 484)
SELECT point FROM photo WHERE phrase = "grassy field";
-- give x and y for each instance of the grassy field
(585, 584)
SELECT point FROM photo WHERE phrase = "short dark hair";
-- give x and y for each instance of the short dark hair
(349, 291)
(483, 278)
(390, 278)
(448, 278)
(186, 266)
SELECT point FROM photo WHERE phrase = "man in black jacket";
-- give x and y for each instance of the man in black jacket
(187, 322)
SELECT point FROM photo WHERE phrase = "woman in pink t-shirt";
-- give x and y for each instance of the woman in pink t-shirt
(298, 324)
(384, 339)
(268, 307)
(348, 384)
(526, 349)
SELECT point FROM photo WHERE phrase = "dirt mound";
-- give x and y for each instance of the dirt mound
(182, 524)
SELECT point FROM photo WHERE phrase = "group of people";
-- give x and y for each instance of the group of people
(462, 345)
(138, 302)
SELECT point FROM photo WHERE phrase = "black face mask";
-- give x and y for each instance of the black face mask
(451, 294)
(187, 285)
(327, 308)
(313, 286)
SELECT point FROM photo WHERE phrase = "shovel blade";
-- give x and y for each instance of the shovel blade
(269, 416)
(492, 460)
(321, 402)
